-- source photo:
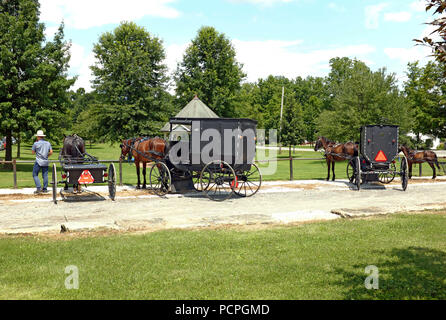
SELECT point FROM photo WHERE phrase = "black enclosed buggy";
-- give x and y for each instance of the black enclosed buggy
(377, 157)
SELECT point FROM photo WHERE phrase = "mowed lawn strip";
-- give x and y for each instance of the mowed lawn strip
(277, 170)
(310, 261)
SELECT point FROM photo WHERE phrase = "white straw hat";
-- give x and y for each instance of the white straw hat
(39, 134)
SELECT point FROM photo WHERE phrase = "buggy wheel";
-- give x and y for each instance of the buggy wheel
(54, 183)
(248, 182)
(351, 170)
(358, 173)
(387, 177)
(220, 179)
(197, 182)
(112, 181)
(404, 173)
(160, 178)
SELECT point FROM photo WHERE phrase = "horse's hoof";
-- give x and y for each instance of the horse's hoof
(138, 187)
(144, 187)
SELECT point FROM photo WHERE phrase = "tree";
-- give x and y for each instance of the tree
(293, 128)
(364, 97)
(425, 90)
(33, 79)
(209, 69)
(130, 81)
(437, 39)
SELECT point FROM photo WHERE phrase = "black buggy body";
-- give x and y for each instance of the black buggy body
(377, 159)
(210, 155)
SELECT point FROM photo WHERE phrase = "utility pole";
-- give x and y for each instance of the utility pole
(281, 115)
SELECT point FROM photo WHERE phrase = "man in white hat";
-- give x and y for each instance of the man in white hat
(42, 149)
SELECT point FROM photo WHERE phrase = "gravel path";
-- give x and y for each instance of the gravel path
(277, 202)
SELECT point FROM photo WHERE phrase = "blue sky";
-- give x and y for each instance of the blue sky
(279, 37)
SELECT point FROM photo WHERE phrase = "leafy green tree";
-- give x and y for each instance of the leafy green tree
(425, 90)
(293, 127)
(437, 39)
(364, 97)
(209, 69)
(130, 81)
(33, 79)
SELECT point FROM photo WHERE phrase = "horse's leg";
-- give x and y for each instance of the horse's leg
(410, 170)
(328, 167)
(433, 170)
(333, 170)
(144, 166)
(137, 173)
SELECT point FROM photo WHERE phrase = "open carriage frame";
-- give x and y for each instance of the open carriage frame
(376, 161)
(220, 177)
(83, 170)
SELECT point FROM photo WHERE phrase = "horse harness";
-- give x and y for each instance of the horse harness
(131, 147)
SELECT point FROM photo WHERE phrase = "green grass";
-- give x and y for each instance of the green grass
(302, 169)
(311, 261)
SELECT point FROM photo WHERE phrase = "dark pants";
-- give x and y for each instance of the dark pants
(36, 170)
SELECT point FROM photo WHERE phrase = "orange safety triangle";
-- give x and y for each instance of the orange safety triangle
(381, 157)
(86, 177)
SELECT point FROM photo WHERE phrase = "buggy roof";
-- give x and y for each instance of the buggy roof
(188, 121)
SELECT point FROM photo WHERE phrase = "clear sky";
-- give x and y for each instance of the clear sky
(279, 37)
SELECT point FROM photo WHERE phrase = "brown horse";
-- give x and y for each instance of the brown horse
(335, 152)
(413, 156)
(144, 150)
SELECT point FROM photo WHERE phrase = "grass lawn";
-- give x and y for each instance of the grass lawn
(311, 261)
(302, 169)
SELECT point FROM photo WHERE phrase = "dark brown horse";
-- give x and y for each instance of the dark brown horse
(335, 152)
(420, 157)
(144, 150)
(73, 152)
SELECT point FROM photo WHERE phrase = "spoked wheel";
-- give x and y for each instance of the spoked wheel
(160, 178)
(220, 178)
(248, 182)
(54, 183)
(197, 182)
(112, 181)
(404, 173)
(351, 170)
(387, 177)
(358, 173)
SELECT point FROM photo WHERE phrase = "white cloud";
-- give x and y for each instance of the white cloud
(372, 14)
(405, 55)
(80, 63)
(50, 32)
(263, 2)
(84, 14)
(336, 7)
(402, 16)
(418, 6)
(280, 58)
(264, 58)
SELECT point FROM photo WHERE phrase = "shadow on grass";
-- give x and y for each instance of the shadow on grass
(408, 273)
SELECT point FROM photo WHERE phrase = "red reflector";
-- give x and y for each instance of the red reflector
(64, 176)
(106, 174)
(86, 177)
(363, 161)
(381, 157)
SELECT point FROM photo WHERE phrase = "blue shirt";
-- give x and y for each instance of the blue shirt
(42, 149)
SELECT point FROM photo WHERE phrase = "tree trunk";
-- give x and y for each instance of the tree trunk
(18, 145)
(8, 151)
